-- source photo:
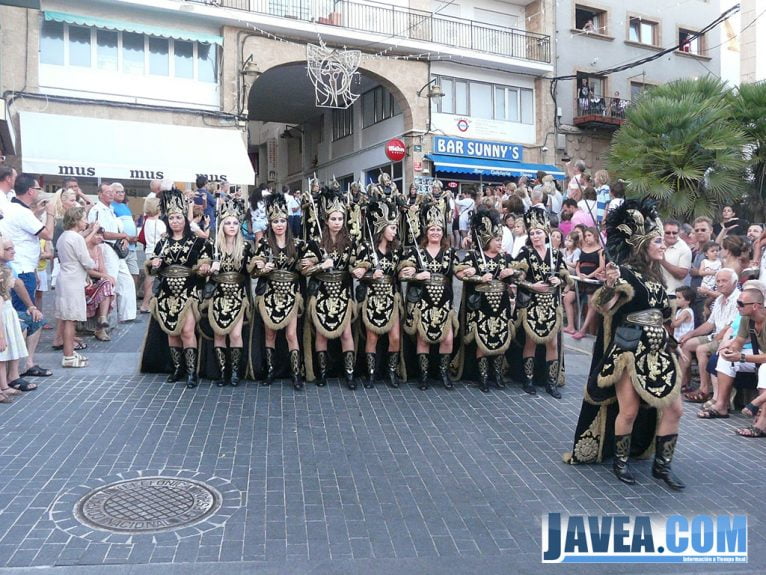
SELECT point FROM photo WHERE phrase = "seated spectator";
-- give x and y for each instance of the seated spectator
(704, 340)
(99, 293)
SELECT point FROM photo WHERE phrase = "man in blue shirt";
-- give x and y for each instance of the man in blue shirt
(209, 201)
(122, 211)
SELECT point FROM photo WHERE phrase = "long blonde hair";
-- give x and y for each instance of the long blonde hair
(59, 201)
(221, 248)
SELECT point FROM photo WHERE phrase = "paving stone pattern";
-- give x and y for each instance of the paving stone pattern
(329, 480)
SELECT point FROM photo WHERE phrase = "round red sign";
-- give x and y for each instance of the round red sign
(395, 150)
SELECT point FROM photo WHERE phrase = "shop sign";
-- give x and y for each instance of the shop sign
(417, 166)
(395, 150)
(468, 148)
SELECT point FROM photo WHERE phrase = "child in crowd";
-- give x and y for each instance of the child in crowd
(710, 265)
(683, 323)
(571, 252)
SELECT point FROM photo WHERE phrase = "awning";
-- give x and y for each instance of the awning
(125, 26)
(480, 166)
(81, 146)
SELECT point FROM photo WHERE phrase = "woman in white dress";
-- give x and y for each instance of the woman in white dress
(70, 286)
(12, 344)
(154, 228)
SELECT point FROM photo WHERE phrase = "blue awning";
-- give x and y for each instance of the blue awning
(480, 166)
(124, 26)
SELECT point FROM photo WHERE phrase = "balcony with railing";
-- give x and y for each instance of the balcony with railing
(600, 113)
(399, 22)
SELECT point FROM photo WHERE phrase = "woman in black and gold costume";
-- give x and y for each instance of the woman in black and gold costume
(429, 314)
(487, 314)
(279, 301)
(229, 305)
(632, 359)
(539, 303)
(381, 307)
(330, 308)
(180, 259)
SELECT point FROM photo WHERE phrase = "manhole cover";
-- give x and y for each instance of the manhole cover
(148, 505)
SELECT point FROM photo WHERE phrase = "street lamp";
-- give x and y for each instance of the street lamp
(434, 92)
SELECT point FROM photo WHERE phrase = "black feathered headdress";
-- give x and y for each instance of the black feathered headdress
(486, 224)
(276, 206)
(380, 214)
(630, 226)
(331, 201)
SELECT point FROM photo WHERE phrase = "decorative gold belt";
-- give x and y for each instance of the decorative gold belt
(235, 278)
(494, 286)
(383, 280)
(437, 279)
(648, 317)
(332, 277)
(176, 271)
(282, 276)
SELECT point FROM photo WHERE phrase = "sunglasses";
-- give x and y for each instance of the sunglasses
(741, 303)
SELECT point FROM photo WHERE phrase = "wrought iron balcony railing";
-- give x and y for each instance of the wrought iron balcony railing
(399, 22)
(600, 112)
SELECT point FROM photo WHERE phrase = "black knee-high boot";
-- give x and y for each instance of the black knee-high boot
(664, 448)
(322, 365)
(295, 368)
(176, 356)
(235, 358)
(497, 368)
(423, 363)
(393, 363)
(529, 375)
(444, 370)
(483, 374)
(621, 455)
(371, 363)
(552, 381)
(220, 356)
(348, 367)
(190, 356)
(269, 379)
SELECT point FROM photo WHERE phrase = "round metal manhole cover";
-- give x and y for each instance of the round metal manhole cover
(148, 505)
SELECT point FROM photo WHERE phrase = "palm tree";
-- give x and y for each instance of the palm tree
(749, 112)
(680, 145)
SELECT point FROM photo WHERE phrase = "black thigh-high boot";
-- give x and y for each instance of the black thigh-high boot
(497, 368)
(176, 356)
(348, 367)
(220, 356)
(371, 363)
(393, 363)
(483, 374)
(190, 356)
(444, 370)
(664, 448)
(322, 365)
(235, 358)
(529, 375)
(295, 368)
(423, 363)
(269, 379)
(552, 382)
(621, 455)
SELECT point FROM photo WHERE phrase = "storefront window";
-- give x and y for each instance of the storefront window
(52, 43)
(106, 50)
(159, 63)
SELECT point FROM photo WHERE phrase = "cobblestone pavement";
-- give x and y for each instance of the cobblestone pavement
(329, 480)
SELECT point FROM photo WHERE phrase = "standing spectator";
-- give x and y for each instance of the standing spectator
(677, 260)
(154, 229)
(754, 232)
(617, 192)
(465, 204)
(555, 199)
(703, 232)
(123, 213)
(519, 236)
(20, 225)
(7, 182)
(509, 220)
(154, 189)
(112, 228)
(293, 209)
(577, 182)
(590, 265)
(577, 216)
(588, 202)
(70, 295)
(258, 221)
(603, 195)
(298, 214)
(710, 265)
(208, 201)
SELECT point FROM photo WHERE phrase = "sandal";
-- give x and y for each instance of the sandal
(10, 391)
(751, 431)
(712, 413)
(102, 322)
(37, 371)
(22, 385)
(5, 399)
(100, 335)
(698, 396)
(750, 410)
(75, 360)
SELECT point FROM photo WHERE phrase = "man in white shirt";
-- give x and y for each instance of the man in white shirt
(678, 258)
(7, 181)
(20, 225)
(704, 340)
(115, 267)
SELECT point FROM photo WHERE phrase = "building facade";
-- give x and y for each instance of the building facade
(140, 89)
(593, 37)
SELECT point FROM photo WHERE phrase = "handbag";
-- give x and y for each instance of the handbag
(142, 236)
(626, 337)
(120, 248)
